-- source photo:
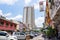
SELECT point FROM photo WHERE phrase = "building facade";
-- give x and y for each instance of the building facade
(29, 17)
(55, 14)
(6, 25)
(20, 25)
(54, 7)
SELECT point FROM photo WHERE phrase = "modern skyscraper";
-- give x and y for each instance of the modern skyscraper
(29, 17)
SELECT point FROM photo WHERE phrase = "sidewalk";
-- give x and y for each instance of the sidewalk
(38, 38)
(42, 38)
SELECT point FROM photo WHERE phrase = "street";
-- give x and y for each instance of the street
(29, 19)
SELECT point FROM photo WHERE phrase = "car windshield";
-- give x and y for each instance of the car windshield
(18, 33)
(3, 34)
(21, 33)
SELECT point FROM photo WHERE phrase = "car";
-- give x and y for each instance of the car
(31, 35)
(35, 34)
(11, 37)
(20, 35)
(5, 36)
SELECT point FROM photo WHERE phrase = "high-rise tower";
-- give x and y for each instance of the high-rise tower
(29, 17)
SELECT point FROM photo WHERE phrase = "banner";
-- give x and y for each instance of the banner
(47, 18)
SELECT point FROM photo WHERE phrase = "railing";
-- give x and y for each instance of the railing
(55, 8)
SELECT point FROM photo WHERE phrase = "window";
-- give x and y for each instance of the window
(16, 33)
(7, 24)
(15, 26)
(1, 23)
(11, 25)
(21, 33)
(3, 34)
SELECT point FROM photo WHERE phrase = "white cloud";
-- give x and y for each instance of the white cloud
(1, 12)
(9, 2)
(27, 2)
(18, 17)
(5, 15)
(41, 0)
(39, 21)
(36, 6)
(8, 14)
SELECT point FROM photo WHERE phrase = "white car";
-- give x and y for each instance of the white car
(11, 37)
(5, 36)
(19, 35)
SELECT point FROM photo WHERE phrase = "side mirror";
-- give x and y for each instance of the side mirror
(7, 35)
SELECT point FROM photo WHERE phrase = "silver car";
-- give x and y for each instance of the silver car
(19, 35)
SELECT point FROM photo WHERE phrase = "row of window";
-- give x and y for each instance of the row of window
(7, 24)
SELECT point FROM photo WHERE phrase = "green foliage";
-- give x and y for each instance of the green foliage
(49, 32)
(36, 30)
(42, 29)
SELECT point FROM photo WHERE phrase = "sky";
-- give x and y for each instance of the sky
(13, 9)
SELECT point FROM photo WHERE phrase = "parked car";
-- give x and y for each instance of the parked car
(5, 36)
(19, 35)
(36, 34)
(32, 35)
(11, 37)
